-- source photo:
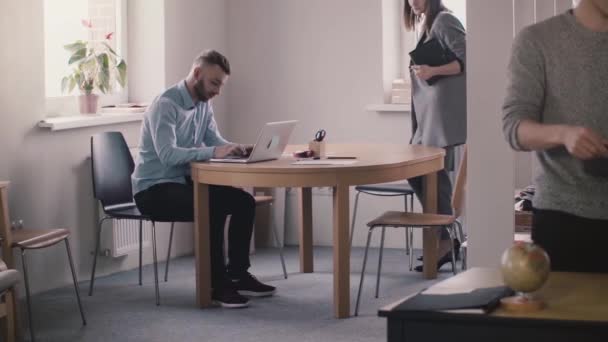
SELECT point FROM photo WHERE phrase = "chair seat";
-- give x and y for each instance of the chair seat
(128, 213)
(8, 279)
(259, 200)
(38, 238)
(398, 188)
(402, 219)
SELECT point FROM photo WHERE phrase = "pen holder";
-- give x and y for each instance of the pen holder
(317, 148)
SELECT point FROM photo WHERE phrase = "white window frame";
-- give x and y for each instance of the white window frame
(68, 104)
(397, 42)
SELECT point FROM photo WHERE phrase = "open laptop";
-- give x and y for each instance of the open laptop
(271, 143)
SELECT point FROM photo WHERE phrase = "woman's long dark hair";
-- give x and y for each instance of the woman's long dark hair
(433, 7)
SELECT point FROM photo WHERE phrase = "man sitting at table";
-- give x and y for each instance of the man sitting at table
(179, 128)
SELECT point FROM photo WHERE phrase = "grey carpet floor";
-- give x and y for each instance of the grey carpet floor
(121, 310)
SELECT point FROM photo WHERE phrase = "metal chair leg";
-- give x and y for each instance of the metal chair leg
(462, 250)
(407, 235)
(96, 253)
(369, 236)
(155, 263)
(380, 260)
(141, 243)
(169, 253)
(452, 237)
(76, 289)
(276, 241)
(27, 295)
(352, 224)
(464, 259)
(411, 231)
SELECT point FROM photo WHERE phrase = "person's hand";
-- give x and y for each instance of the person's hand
(423, 72)
(584, 143)
(224, 151)
(246, 150)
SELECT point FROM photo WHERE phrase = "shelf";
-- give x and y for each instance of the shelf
(389, 107)
(77, 121)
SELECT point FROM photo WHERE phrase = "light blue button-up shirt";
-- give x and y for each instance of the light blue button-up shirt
(175, 131)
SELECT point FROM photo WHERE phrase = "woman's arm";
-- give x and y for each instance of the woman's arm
(450, 32)
(425, 71)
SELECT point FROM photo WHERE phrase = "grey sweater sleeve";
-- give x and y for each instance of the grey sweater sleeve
(449, 30)
(525, 87)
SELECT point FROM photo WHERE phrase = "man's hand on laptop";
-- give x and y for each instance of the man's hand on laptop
(246, 150)
(224, 151)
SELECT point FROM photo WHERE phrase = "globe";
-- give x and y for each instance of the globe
(525, 267)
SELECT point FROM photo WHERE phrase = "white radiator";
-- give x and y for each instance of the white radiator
(124, 237)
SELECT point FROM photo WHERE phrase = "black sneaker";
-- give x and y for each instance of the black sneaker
(249, 285)
(228, 297)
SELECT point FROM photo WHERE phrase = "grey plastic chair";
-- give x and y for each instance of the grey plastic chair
(386, 190)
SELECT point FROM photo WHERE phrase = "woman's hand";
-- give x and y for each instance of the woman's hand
(423, 72)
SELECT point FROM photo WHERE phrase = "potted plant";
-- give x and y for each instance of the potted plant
(95, 66)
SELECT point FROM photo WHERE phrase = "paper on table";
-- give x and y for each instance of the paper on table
(324, 162)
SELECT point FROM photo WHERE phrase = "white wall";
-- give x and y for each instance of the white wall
(319, 62)
(192, 26)
(490, 184)
(146, 45)
(49, 171)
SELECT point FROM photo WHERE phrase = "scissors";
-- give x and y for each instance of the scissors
(320, 135)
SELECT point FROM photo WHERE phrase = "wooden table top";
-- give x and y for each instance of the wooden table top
(569, 296)
(368, 156)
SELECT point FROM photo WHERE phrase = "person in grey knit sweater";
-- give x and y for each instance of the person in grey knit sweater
(557, 105)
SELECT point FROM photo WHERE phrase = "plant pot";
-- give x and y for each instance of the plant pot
(88, 103)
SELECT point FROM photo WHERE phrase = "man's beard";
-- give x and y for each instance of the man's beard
(199, 88)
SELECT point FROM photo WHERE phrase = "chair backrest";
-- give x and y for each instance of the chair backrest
(5, 225)
(112, 166)
(459, 186)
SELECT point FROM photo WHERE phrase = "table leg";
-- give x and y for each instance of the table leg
(430, 236)
(341, 252)
(202, 252)
(305, 206)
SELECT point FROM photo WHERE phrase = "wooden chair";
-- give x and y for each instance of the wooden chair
(398, 219)
(386, 190)
(27, 239)
(8, 280)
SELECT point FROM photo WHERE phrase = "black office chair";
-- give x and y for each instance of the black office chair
(112, 166)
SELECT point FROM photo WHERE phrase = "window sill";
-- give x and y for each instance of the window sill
(389, 107)
(90, 120)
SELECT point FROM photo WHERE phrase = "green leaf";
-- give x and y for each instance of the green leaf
(77, 56)
(122, 73)
(72, 84)
(88, 64)
(64, 83)
(78, 45)
(103, 74)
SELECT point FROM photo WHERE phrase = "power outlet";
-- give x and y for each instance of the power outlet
(17, 224)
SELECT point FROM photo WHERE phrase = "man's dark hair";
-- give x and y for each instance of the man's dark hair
(212, 57)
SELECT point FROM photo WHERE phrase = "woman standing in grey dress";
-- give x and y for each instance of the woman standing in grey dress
(438, 108)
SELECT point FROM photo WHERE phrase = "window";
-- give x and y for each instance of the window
(397, 43)
(63, 25)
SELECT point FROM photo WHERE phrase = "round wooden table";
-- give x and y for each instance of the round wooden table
(374, 163)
